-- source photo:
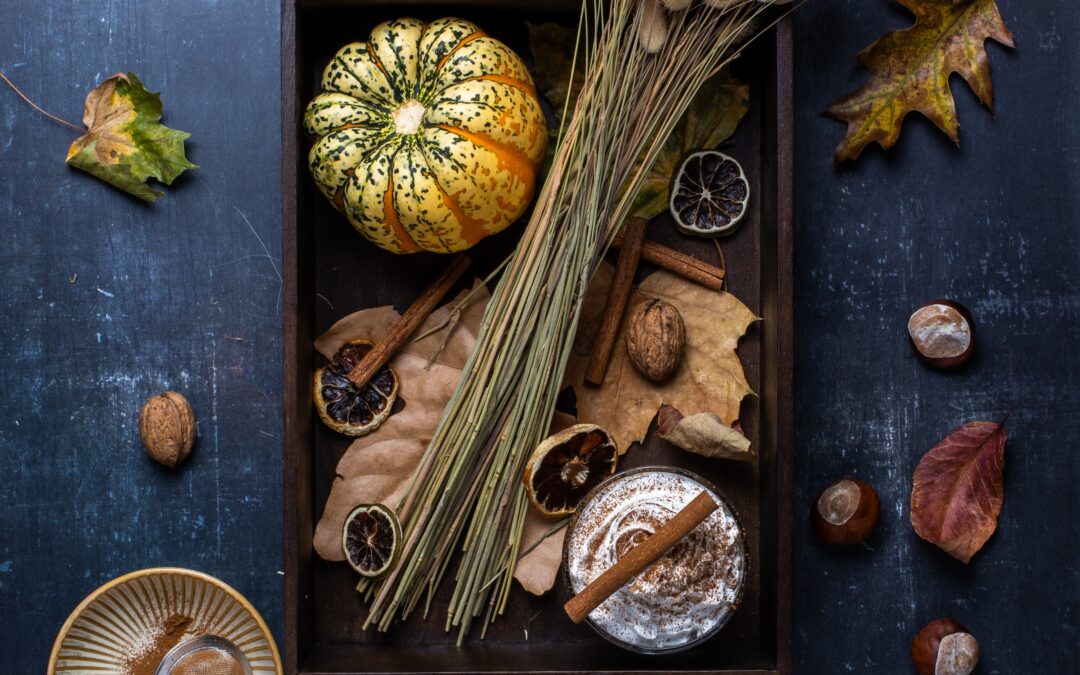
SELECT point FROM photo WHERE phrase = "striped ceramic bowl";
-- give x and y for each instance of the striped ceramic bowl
(129, 624)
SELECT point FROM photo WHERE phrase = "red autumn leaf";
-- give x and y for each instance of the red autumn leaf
(958, 489)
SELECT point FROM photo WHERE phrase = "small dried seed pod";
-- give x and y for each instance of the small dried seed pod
(652, 31)
(167, 428)
(944, 647)
(846, 512)
(943, 333)
(655, 337)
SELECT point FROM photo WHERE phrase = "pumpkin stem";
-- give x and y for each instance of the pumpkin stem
(408, 116)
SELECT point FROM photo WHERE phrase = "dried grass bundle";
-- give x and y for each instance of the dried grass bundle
(643, 64)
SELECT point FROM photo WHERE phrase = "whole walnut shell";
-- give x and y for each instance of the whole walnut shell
(167, 427)
(655, 337)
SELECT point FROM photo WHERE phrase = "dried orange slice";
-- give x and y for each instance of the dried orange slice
(564, 467)
(370, 539)
(709, 194)
(346, 408)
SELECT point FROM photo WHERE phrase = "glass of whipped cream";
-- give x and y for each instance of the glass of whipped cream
(682, 599)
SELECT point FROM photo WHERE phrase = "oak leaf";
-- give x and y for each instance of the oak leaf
(125, 143)
(709, 379)
(958, 489)
(376, 468)
(910, 70)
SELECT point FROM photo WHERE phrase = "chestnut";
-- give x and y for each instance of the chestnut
(944, 647)
(846, 512)
(943, 333)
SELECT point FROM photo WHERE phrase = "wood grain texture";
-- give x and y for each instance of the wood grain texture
(183, 294)
(992, 224)
(339, 273)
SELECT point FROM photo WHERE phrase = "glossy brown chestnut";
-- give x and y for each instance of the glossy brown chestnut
(944, 647)
(943, 333)
(846, 512)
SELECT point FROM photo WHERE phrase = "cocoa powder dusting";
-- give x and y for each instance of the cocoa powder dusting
(168, 636)
(691, 589)
(209, 661)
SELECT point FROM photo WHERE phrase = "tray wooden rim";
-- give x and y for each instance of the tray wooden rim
(297, 477)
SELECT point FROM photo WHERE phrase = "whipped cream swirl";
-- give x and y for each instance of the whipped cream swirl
(684, 595)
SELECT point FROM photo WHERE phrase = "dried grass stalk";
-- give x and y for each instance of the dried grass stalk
(467, 493)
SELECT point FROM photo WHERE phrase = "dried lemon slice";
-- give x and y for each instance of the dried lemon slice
(709, 194)
(346, 408)
(564, 467)
(370, 539)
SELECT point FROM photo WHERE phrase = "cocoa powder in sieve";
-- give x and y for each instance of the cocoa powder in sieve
(167, 637)
(208, 661)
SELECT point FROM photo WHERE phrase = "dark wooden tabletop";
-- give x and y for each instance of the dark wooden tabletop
(107, 301)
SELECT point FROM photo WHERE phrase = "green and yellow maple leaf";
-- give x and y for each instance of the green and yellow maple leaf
(711, 119)
(125, 143)
(910, 70)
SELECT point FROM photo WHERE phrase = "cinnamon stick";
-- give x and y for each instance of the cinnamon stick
(618, 294)
(640, 557)
(684, 265)
(409, 322)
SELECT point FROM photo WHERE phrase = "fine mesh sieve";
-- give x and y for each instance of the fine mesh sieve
(204, 655)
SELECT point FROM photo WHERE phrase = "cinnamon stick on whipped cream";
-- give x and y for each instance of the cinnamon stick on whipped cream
(640, 557)
(679, 571)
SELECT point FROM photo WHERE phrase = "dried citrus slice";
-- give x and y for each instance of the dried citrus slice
(370, 539)
(564, 467)
(343, 406)
(709, 194)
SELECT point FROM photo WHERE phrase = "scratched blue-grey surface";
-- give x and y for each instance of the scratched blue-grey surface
(106, 301)
(994, 225)
(184, 295)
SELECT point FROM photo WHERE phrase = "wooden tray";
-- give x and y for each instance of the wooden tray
(331, 271)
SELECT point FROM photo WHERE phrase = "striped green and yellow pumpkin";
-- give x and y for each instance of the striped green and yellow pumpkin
(429, 136)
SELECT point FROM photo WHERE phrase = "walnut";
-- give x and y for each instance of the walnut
(655, 337)
(167, 427)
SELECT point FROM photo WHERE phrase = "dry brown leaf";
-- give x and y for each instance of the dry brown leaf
(709, 379)
(537, 570)
(703, 434)
(376, 467)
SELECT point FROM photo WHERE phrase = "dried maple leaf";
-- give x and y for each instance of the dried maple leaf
(125, 143)
(709, 379)
(910, 70)
(957, 490)
(376, 468)
(703, 434)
